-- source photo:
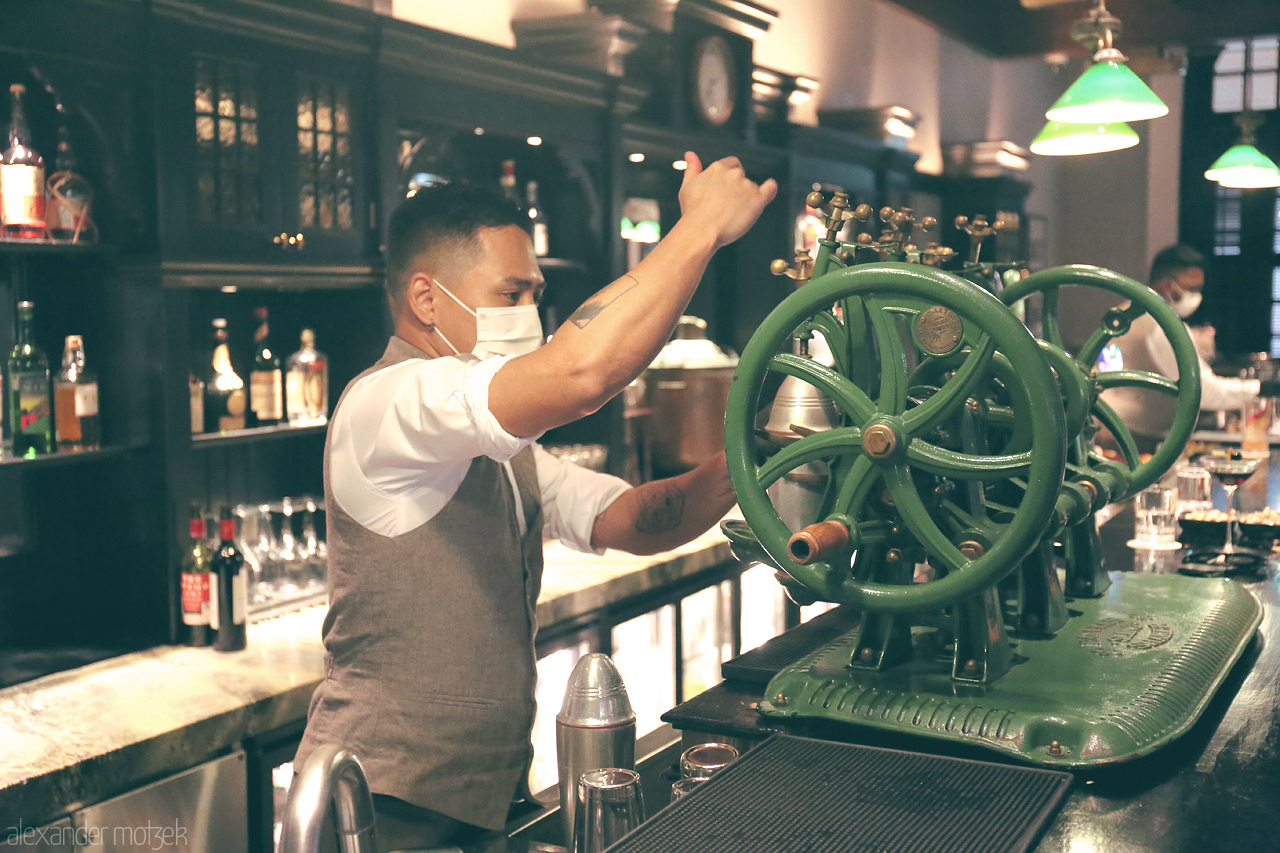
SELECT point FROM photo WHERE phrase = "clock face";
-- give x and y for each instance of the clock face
(714, 81)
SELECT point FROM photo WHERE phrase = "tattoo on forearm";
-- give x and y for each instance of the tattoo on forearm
(591, 309)
(661, 508)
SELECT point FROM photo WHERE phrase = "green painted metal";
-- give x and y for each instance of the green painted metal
(1142, 300)
(1133, 672)
(876, 295)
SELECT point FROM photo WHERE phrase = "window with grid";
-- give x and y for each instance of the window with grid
(1245, 75)
(325, 167)
(228, 166)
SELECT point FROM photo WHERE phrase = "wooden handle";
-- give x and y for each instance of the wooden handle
(817, 542)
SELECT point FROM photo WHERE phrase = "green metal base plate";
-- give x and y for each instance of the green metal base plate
(1130, 673)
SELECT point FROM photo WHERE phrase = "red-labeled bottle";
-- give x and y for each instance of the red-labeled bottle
(229, 616)
(21, 178)
(197, 584)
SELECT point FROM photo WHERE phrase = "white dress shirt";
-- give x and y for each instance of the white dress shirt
(404, 437)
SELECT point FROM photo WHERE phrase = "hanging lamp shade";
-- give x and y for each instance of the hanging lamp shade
(1244, 166)
(1060, 138)
(1107, 92)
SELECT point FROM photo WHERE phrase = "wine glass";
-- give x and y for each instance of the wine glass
(1230, 472)
(314, 549)
(288, 555)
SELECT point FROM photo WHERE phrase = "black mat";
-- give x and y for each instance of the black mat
(767, 660)
(796, 795)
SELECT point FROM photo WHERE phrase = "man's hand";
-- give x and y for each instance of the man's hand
(722, 198)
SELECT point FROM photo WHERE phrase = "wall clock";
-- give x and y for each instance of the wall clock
(715, 81)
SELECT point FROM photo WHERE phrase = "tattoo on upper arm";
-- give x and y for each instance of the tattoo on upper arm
(661, 508)
(591, 309)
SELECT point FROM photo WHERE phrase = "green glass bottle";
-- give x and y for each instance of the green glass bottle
(30, 395)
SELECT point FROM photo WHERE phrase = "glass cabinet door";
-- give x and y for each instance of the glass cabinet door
(644, 652)
(553, 675)
(706, 641)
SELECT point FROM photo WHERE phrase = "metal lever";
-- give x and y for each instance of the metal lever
(800, 273)
(837, 211)
(978, 230)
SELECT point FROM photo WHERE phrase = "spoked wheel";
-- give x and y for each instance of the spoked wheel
(905, 446)
(1116, 322)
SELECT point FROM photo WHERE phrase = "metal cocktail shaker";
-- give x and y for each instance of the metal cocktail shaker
(595, 728)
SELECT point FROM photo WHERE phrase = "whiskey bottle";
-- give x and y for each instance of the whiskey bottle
(30, 400)
(197, 563)
(266, 389)
(508, 182)
(224, 402)
(69, 197)
(75, 401)
(307, 384)
(538, 219)
(231, 594)
(21, 178)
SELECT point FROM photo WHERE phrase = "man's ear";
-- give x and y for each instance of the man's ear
(419, 297)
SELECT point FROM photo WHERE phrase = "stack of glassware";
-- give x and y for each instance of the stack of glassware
(285, 554)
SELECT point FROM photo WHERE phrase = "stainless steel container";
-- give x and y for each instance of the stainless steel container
(687, 389)
(595, 728)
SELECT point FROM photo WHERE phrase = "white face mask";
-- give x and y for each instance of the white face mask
(515, 330)
(1186, 305)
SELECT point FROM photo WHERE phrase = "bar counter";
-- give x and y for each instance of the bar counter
(77, 737)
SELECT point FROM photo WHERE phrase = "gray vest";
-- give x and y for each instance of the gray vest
(429, 666)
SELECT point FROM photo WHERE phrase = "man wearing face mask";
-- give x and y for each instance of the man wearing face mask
(438, 497)
(1177, 274)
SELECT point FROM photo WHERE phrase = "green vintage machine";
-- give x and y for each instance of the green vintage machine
(930, 463)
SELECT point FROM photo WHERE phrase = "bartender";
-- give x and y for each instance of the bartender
(1177, 274)
(438, 496)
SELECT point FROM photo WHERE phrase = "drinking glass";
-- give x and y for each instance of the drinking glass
(609, 806)
(1195, 489)
(315, 551)
(685, 787)
(1230, 473)
(260, 591)
(1256, 416)
(262, 550)
(706, 760)
(288, 556)
(1156, 518)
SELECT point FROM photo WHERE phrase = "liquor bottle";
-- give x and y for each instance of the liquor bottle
(69, 197)
(30, 400)
(508, 182)
(21, 178)
(266, 389)
(224, 402)
(195, 385)
(306, 388)
(228, 618)
(197, 564)
(75, 401)
(538, 218)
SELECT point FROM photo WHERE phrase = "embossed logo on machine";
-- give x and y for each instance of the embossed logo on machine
(1120, 636)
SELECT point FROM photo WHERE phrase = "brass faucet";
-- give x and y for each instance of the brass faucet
(332, 775)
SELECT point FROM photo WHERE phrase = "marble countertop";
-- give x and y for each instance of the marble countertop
(75, 738)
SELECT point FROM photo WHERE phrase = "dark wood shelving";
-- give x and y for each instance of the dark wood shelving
(53, 460)
(243, 436)
(37, 247)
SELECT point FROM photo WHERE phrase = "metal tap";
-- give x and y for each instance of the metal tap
(332, 775)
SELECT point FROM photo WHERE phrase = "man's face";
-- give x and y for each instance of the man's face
(1188, 281)
(504, 273)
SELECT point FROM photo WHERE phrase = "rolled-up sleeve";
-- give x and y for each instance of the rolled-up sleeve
(427, 412)
(572, 497)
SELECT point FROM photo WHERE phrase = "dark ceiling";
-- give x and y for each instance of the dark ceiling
(1006, 28)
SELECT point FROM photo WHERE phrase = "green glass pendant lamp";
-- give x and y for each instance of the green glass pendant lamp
(1243, 165)
(1091, 115)
(1060, 138)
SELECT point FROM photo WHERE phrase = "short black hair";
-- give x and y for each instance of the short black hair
(1173, 260)
(443, 217)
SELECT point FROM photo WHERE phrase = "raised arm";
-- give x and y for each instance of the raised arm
(614, 335)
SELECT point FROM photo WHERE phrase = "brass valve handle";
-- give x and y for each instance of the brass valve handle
(837, 211)
(800, 273)
(978, 230)
(818, 542)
